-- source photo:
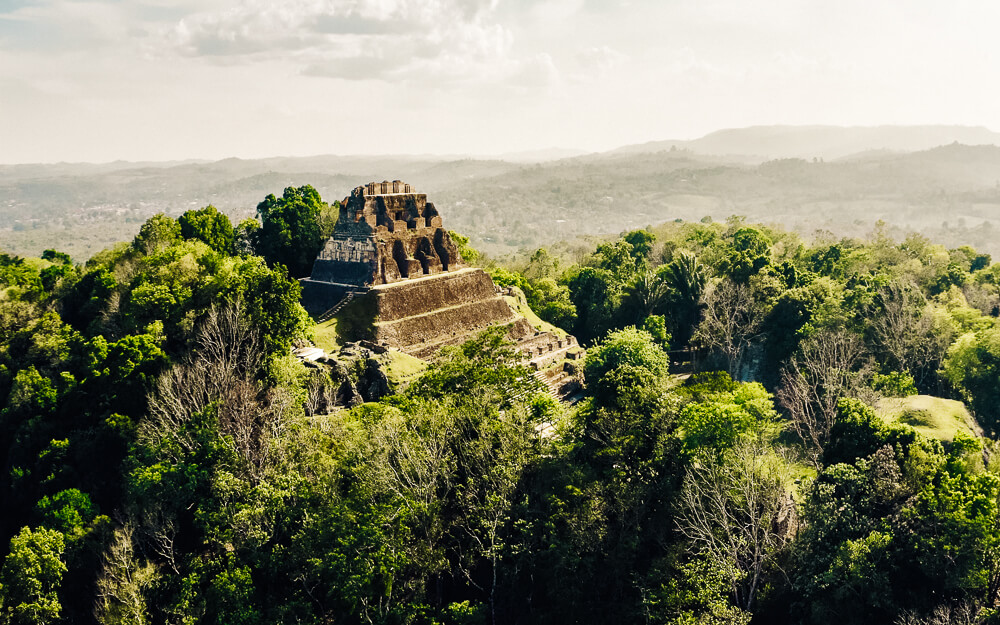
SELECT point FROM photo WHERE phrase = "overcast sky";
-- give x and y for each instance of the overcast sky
(172, 79)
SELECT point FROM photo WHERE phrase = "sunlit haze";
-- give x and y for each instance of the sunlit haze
(175, 79)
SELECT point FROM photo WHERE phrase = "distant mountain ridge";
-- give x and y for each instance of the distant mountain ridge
(940, 180)
(827, 142)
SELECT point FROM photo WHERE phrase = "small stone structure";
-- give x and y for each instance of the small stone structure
(393, 276)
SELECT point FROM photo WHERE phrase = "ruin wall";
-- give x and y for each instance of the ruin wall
(420, 316)
(444, 326)
(423, 295)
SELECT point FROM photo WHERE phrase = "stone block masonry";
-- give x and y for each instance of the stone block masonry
(409, 286)
(385, 233)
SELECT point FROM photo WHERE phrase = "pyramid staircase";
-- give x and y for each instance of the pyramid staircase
(329, 314)
(560, 384)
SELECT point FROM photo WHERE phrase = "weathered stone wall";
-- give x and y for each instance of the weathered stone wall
(420, 316)
(396, 232)
(443, 326)
(407, 282)
(417, 297)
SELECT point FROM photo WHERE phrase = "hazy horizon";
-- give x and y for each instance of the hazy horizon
(158, 80)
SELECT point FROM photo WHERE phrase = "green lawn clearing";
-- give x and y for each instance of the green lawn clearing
(933, 417)
(402, 368)
(325, 336)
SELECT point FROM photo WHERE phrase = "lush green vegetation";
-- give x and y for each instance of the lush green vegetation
(167, 461)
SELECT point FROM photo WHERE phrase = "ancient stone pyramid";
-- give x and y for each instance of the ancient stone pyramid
(391, 274)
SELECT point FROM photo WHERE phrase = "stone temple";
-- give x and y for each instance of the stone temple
(392, 275)
(385, 233)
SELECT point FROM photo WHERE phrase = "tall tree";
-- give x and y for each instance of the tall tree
(32, 573)
(290, 230)
(734, 318)
(686, 279)
(830, 365)
(734, 510)
(209, 226)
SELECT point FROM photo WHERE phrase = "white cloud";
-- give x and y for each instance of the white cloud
(601, 58)
(442, 41)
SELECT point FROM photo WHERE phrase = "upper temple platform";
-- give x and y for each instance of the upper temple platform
(385, 233)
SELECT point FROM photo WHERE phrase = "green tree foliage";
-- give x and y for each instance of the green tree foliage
(894, 384)
(732, 511)
(469, 254)
(487, 362)
(158, 232)
(595, 294)
(547, 298)
(290, 230)
(59, 258)
(656, 325)
(749, 252)
(551, 301)
(686, 279)
(245, 236)
(166, 459)
(895, 524)
(721, 419)
(625, 366)
(973, 367)
(619, 258)
(210, 227)
(31, 576)
(14, 272)
(328, 216)
(643, 297)
(642, 244)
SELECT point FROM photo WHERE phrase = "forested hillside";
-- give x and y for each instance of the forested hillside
(948, 193)
(774, 430)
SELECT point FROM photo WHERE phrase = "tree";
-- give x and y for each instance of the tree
(488, 362)
(685, 278)
(328, 217)
(468, 253)
(734, 509)
(551, 301)
(645, 295)
(699, 592)
(749, 253)
(904, 334)
(830, 365)
(158, 232)
(732, 323)
(627, 365)
(123, 583)
(721, 419)
(642, 244)
(290, 230)
(31, 575)
(596, 295)
(494, 448)
(222, 375)
(60, 258)
(618, 258)
(209, 226)
(244, 236)
(973, 368)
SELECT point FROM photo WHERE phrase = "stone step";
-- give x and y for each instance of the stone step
(329, 314)
(558, 384)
